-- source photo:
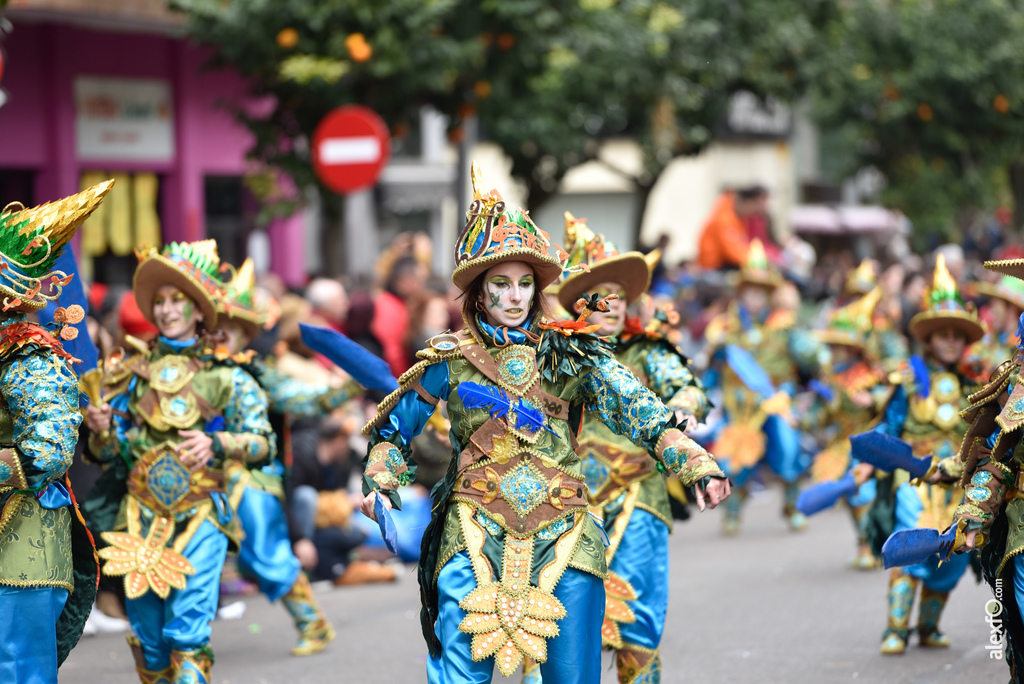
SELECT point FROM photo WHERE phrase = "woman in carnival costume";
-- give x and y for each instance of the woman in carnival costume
(181, 419)
(990, 514)
(924, 411)
(512, 562)
(858, 390)
(1005, 305)
(759, 425)
(49, 570)
(257, 492)
(626, 489)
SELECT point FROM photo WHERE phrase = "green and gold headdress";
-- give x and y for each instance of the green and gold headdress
(1009, 289)
(860, 280)
(30, 242)
(944, 308)
(190, 266)
(495, 233)
(851, 324)
(757, 270)
(593, 260)
(239, 304)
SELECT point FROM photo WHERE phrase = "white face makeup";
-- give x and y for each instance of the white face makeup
(175, 314)
(508, 293)
(613, 320)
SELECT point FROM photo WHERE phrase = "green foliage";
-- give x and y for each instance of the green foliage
(932, 96)
(548, 79)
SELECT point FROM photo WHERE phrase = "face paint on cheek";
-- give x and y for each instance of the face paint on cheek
(186, 311)
(495, 297)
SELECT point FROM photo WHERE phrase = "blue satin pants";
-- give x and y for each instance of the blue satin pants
(181, 622)
(642, 560)
(574, 656)
(937, 578)
(266, 554)
(28, 636)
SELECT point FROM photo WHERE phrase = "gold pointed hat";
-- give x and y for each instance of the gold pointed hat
(757, 270)
(944, 308)
(495, 233)
(31, 240)
(603, 264)
(860, 280)
(851, 324)
(189, 266)
(239, 303)
(1009, 289)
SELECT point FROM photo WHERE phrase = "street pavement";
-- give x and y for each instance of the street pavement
(766, 606)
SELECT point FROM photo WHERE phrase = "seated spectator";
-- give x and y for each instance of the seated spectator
(323, 533)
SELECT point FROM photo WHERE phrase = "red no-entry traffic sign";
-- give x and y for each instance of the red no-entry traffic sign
(351, 145)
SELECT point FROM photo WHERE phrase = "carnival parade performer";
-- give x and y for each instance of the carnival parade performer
(1005, 305)
(858, 390)
(49, 570)
(924, 411)
(757, 384)
(627, 490)
(512, 562)
(989, 516)
(180, 419)
(257, 491)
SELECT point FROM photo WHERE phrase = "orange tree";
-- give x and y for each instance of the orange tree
(929, 93)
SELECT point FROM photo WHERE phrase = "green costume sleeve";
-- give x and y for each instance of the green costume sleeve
(303, 399)
(613, 394)
(670, 378)
(42, 396)
(247, 435)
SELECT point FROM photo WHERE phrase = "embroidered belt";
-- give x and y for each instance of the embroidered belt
(616, 469)
(522, 493)
(165, 485)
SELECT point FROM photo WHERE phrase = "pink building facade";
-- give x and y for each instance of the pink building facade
(51, 68)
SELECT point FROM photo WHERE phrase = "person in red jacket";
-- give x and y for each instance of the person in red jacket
(391, 316)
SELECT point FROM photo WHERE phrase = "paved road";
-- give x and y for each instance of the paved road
(767, 606)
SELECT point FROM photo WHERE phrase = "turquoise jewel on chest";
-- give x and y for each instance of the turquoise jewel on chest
(178, 406)
(946, 412)
(946, 386)
(523, 488)
(169, 374)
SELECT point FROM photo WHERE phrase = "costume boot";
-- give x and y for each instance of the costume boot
(797, 521)
(865, 558)
(733, 505)
(192, 667)
(314, 630)
(531, 672)
(638, 665)
(932, 603)
(147, 676)
(902, 588)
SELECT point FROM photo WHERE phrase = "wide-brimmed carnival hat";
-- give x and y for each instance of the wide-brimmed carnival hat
(860, 280)
(1009, 289)
(944, 308)
(850, 325)
(757, 270)
(604, 264)
(495, 233)
(189, 266)
(239, 306)
(31, 240)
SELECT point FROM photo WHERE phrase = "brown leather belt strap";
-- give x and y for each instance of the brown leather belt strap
(426, 396)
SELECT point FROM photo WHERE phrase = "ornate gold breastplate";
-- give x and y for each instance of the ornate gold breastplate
(941, 407)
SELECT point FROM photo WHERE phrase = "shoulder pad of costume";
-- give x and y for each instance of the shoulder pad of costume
(717, 328)
(404, 382)
(138, 345)
(780, 319)
(997, 382)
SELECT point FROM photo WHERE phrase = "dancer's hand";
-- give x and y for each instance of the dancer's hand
(306, 552)
(370, 501)
(197, 449)
(717, 491)
(98, 419)
(969, 539)
(686, 422)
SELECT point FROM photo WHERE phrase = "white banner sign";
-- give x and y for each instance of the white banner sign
(123, 118)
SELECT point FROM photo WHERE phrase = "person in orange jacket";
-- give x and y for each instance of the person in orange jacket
(725, 239)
